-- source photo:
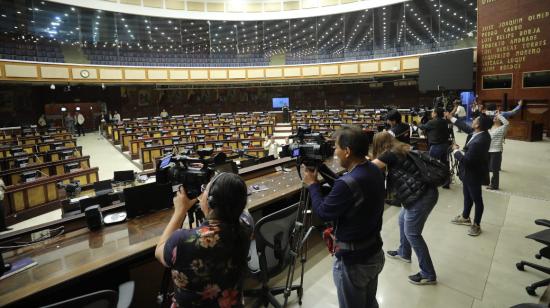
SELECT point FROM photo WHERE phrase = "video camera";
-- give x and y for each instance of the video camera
(308, 148)
(191, 172)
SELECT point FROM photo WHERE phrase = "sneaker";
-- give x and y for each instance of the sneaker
(419, 280)
(475, 230)
(395, 255)
(459, 220)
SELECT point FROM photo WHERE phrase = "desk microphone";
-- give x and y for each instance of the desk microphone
(38, 158)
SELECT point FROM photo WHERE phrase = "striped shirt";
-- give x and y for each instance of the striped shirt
(498, 134)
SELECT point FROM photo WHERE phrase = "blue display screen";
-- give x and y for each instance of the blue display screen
(296, 152)
(280, 102)
(165, 161)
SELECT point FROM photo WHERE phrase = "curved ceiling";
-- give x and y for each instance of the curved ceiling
(403, 28)
(230, 10)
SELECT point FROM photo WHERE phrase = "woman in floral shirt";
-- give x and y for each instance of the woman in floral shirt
(208, 262)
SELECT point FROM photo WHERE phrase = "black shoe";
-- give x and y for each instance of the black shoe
(491, 188)
(6, 229)
(446, 186)
(395, 255)
(419, 280)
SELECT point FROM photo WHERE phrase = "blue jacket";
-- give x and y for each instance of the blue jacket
(474, 162)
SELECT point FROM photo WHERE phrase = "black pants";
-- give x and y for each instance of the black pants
(472, 195)
(80, 129)
(495, 160)
(2, 216)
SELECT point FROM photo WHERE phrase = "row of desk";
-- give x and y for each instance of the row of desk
(80, 253)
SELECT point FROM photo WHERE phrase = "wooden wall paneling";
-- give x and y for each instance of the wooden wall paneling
(135, 74)
(21, 70)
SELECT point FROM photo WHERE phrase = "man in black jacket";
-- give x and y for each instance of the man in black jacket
(437, 132)
(398, 129)
(473, 169)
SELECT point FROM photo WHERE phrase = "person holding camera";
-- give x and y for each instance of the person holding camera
(208, 262)
(417, 198)
(437, 132)
(498, 133)
(355, 205)
(398, 129)
(473, 169)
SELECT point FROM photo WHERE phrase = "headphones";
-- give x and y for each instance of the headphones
(212, 203)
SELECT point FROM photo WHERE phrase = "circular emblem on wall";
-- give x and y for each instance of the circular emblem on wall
(84, 73)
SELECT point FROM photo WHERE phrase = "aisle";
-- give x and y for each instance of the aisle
(104, 155)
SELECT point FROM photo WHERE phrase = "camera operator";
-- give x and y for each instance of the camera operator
(355, 206)
(437, 132)
(399, 130)
(208, 262)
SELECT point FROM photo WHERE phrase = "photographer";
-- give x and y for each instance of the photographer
(473, 169)
(437, 132)
(399, 130)
(418, 201)
(355, 205)
(208, 262)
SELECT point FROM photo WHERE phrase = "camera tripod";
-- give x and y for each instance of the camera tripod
(302, 230)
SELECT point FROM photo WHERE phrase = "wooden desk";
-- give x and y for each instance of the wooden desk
(81, 253)
(40, 147)
(148, 155)
(26, 200)
(7, 163)
(13, 176)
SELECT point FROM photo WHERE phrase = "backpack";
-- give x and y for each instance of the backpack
(432, 171)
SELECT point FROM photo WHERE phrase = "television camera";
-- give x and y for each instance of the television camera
(311, 150)
(190, 172)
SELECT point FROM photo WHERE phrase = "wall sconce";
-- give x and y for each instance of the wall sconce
(52, 87)
(63, 109)
(77, 108)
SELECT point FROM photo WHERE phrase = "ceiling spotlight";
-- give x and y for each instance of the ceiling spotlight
(52, 87)
(103, 86)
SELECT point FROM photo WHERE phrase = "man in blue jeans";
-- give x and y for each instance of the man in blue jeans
(437, 132)
(355, 206)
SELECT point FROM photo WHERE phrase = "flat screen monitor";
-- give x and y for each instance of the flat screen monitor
(66, 154)
(29, 176)
(141, 199)
(452, 70)
(71, 167)
(280, 102)
(123, 176)
(100, 186)
(16, 150)
(21, 162)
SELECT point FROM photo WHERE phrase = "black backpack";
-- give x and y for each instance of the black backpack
(433, 171)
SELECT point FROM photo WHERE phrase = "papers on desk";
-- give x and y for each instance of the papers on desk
(19, 266)
(257, 188)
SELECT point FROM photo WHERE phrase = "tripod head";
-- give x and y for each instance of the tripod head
(326, 173)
